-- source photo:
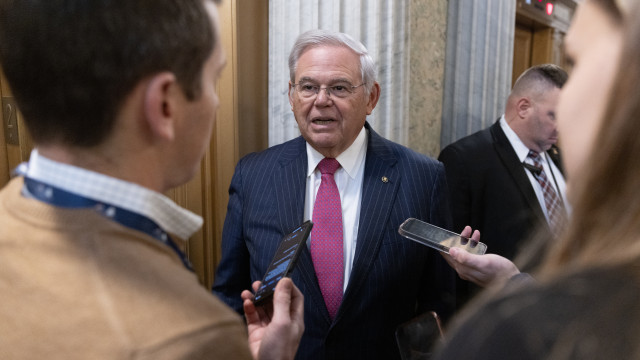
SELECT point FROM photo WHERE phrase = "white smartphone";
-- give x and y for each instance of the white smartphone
(438, 238)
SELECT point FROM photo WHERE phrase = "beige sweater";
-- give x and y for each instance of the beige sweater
(74, 285)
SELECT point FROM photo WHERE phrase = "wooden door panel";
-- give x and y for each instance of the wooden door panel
(521, 52)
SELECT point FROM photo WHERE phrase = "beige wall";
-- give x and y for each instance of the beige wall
(427, 59)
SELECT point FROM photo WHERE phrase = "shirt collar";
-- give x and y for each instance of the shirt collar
(349, 160)
(157, 207)
(518, 146)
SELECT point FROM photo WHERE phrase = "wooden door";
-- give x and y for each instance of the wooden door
(15, 142)
(4, 161)
(535, 45)
(522, 41)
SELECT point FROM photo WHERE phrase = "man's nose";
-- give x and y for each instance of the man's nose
(323, 97)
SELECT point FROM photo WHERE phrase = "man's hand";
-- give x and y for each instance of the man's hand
(275, 329)
(482, 270)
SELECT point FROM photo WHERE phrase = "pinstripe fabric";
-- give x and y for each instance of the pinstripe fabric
(393, 279)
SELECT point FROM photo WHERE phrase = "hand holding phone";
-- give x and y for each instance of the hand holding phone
(283, 261)
(438, 238)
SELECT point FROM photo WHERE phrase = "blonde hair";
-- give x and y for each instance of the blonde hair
(605, 225)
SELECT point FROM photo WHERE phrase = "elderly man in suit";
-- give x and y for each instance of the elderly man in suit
(359, 277)
(496, 185)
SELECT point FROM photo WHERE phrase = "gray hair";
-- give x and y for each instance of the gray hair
(316, 38)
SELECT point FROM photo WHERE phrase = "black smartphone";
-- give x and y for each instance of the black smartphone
(283, 261)
(418, 337)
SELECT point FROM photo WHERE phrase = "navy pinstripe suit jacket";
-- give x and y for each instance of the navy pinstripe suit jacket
(393, 279)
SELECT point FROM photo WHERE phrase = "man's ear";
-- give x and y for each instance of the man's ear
(374, 96)
(291, 90)
(161, 104)
(523, 106)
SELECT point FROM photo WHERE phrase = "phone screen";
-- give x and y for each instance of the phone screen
(283, 261)
(438, 238)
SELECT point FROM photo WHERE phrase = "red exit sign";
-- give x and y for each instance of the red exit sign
(544, 6)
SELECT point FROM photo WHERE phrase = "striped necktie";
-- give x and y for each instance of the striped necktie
(552, 200)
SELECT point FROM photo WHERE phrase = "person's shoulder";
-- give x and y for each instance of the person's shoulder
(401, 153)
(471, 143)
(158, 309)
(531, 320)
(203, 328)
(562, 297)
(496, 327)
(287, 150)
(470, 149)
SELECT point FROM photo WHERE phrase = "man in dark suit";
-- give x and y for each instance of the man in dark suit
(492, 181)
(383, 279)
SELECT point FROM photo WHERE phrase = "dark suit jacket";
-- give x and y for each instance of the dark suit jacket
(393, 279)
(490, 191)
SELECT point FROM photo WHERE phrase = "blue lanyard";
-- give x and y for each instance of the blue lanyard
(61, 198)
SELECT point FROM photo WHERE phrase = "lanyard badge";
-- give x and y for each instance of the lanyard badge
(61, 198)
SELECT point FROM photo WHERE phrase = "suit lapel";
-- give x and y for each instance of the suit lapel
(514, 166)
(290, 185)
(377, 201)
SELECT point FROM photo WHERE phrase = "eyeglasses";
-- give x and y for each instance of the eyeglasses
(310, 90)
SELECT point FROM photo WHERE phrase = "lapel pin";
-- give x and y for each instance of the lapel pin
(385, 179)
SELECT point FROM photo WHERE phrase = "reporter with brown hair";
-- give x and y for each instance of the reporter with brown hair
(120, 99)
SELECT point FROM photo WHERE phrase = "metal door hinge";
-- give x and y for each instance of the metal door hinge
(10, 120)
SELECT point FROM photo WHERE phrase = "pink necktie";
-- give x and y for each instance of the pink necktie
(552, 201)
(326, 237)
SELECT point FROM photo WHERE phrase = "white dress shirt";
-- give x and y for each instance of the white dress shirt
(349, 181)
(551, 170)
(123, 194)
